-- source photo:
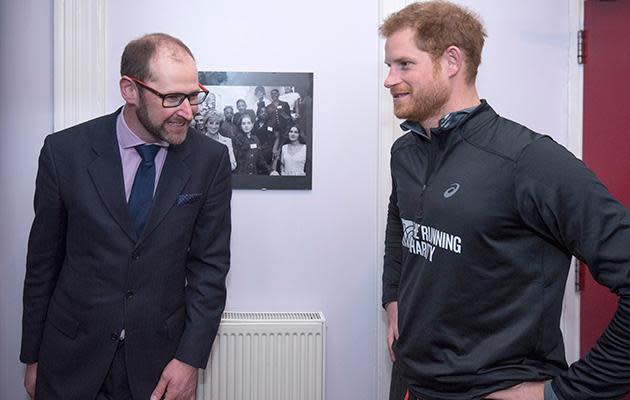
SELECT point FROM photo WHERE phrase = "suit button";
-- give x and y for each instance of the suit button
(114, 336)
(129, 295)
(135, 255)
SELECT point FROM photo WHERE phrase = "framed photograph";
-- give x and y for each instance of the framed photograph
(266, 121)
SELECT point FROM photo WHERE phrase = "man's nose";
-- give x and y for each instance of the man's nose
(186, 110)
(391, 79)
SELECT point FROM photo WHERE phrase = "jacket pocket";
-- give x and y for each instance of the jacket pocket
(61, 319)
(175, 323)
(187, 198)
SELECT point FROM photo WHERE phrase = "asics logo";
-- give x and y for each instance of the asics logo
(451, 190)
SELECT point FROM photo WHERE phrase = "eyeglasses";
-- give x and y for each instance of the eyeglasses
(170, 100)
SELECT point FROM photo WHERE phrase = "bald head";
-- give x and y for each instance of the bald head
(138, 54)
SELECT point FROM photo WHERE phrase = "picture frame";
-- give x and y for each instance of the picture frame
(268, 156)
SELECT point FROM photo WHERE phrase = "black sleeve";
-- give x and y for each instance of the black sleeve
(261, 164)
(206, 269)
(46, 253)
(561, 199)
(393, 250)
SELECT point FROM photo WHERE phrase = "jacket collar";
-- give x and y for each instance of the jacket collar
(448, 122)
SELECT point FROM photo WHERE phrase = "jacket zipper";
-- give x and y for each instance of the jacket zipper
(419, 217)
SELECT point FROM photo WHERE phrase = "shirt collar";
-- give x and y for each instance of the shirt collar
(127, 138)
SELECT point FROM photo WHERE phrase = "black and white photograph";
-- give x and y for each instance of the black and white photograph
(265, 120)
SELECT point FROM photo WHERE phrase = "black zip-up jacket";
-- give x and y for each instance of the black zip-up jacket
(482, 222)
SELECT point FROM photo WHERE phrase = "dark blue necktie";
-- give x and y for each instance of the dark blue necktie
(141, 195)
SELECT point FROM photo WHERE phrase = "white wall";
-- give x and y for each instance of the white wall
(26, 104)
(292, 250)
(524, 72)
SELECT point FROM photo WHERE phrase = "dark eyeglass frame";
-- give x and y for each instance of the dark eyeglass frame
(194, 98)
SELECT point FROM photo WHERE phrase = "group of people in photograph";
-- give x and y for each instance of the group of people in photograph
(268, 141)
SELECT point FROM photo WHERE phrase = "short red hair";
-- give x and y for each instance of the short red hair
(439, 24)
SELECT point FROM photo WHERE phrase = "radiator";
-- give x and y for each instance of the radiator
(266, 356)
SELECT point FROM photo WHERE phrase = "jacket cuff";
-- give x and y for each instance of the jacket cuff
(549, 393)
(389, 295)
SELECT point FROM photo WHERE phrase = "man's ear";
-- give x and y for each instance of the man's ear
(129, 91)
(453, 58)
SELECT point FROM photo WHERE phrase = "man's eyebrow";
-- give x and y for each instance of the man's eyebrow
(398, 60)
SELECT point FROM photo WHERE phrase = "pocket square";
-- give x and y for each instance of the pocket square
(187, 198)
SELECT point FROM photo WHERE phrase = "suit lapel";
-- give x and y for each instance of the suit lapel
(107, 175)
(173, 178)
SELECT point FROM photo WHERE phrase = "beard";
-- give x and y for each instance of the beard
(423, 103)
(159, 132)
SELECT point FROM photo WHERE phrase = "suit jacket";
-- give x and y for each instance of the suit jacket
(89, 275)
(249, 156)
(279, 116)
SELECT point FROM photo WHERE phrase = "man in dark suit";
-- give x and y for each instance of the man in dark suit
(129, 248)
(228, 128)
(279, 113)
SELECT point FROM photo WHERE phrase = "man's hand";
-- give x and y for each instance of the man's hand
(178, 382)
(30, 377)
(392, 327)
(522, 391)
